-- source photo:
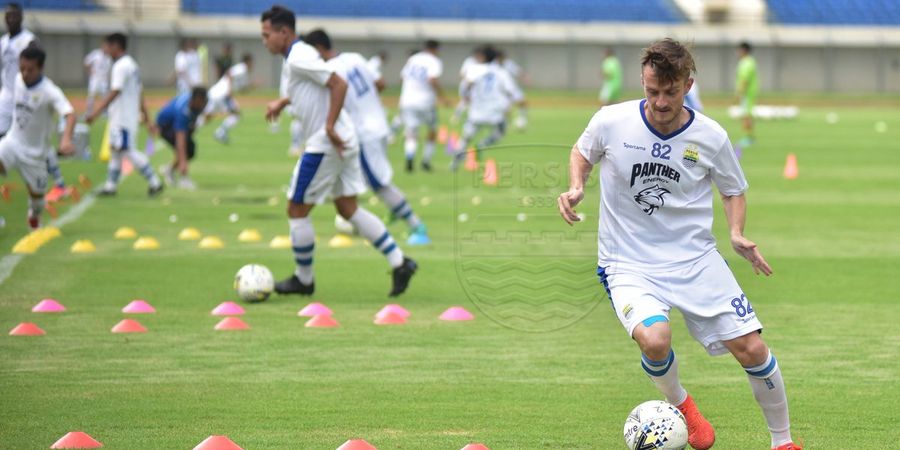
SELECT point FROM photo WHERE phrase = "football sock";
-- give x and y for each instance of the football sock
(230, 121)
(303, 242)
(429, 151)
(768, 389)
(409, 148)
(114, 170)
(142, 164)
(54, 170)
(374, 230)
(664, 375)
(35, 206)
(394, 199)
(493, 138)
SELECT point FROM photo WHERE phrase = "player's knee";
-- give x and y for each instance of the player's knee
(346, 207)
(655, 342)
(297, 210)
(750, 350)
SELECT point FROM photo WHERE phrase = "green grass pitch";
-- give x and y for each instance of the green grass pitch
(830, 310)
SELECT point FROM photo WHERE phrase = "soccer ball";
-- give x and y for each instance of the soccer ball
(655, 425)
(343, 225)
(254, 283)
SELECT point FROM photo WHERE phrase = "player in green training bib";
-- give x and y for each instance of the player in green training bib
(612, 79)
(747, 84)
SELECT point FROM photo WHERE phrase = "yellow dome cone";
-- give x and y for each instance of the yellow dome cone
(250, 235)
(146, 243)
(125, 233)
(340, 241)
(211, 243)
(280, 242)
(83, 246)
(189, 234)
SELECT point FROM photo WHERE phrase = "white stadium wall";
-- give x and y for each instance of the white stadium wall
(555, 55)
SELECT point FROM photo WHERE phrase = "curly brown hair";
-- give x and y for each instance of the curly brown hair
(669, 59)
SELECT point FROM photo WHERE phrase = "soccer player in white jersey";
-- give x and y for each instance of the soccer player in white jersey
(188, 72)
(475, 58)
(364, 106)
(376, 64)
(221, 96)
(330, 166)
(125, 101)
(519, 77)
(419, 94)
(25, 147)
(658, 162)
(96, 65)
(489, 90)
(11, 45)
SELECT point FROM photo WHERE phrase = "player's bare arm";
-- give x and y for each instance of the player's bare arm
(380, 85)
(102, 106)
(436, 85)
(273, 109)
(338, 89)
(579, 171)
(181, 143)
(736, 214)
(65, 141)
(145, 118)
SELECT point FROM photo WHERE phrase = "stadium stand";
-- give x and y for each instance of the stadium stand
(835, 12)
(527, 10)
(61, 5)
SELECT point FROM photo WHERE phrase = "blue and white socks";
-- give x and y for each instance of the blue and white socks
(374, 230)
(664, 374)
(768, 389)
(395, 200)
(303, 243)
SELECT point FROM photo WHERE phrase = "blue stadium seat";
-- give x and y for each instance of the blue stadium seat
(65, 5)
(529, 10)
(835, 12)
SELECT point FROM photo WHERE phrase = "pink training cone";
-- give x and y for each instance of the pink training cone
(48, 305)
(129, 326)
(27, 329)
(477, 446)
(392, 308)
(231, 323)
(76, 439)
(456, 313)
(228, 309)
(322, 321)
(390, 318)
(491, 178)
(217, 443)
(442, 134)
(357, 444)
(314, 309)
(791, 170)
(138, 307)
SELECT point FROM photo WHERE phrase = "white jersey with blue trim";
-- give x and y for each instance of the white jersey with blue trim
(362, 100)
(237, 78)
(10, 48)
(490, 90)
(36, 107)
(125, 110)
(416, 91)
(304, 75)
(656, 192)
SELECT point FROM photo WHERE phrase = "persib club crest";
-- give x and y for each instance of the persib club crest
(690, 156)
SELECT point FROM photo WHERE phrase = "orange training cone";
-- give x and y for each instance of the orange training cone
(791, 171)
(26, 329)
(322, 321)
(217, 443)
(390, 318)
(357, 444)
(129, 326)
(76, 439)
(231, 323)
(442, 135)
(477, 446)
(471, 163)
(490, 172)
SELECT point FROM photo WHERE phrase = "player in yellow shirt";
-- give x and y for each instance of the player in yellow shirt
(747, 85)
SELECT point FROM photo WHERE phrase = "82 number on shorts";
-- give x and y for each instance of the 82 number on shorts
(738, 303)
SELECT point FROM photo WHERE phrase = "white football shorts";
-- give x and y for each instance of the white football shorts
(322, 176)
(375, 164)
(34, 172)
(414, 118)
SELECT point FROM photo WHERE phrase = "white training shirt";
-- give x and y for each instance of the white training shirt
(304, 75)
(125, 109)
(10, 48)
(99, 64)
(490, 90)
(416, 91)
(374, 64)
(512, 67)
(238, 78)
(33, 117)
(187, 65)
(362, 101)
(656, 192)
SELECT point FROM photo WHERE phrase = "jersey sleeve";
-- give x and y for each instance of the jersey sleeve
(60, 102)
(118, 77)
(511, 88)
(726, 172)
(591, 144)
(316, 70)
(435, 69)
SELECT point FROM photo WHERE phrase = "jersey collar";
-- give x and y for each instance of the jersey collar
(656, 132)
(292, 47)
(29, 86)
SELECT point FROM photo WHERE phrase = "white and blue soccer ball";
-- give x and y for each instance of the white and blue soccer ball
(254, 283)
(655, 425)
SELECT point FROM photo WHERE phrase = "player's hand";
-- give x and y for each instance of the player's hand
(90, 118)
(273, 110)
(153, 129)
(747, 248)
(66, 147)
(567, 202)
(335, 139)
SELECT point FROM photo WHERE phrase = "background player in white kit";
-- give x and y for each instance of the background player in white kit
(489, 90)
(188, 72)
(330, 166)
(419, 94)
(658, 161)
(96, 65)
(126, 107)
(25, 147)
(364, 106)
(221, 96)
